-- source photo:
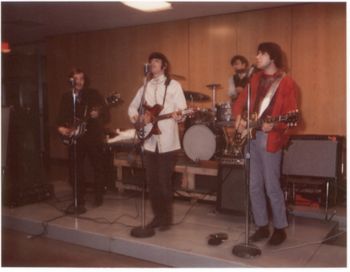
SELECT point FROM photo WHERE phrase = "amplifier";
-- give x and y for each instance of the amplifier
(231, 191)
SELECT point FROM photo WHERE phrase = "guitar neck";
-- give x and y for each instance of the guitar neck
(258, 123)
(169, 115)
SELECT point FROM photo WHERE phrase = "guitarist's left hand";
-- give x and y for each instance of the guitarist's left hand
(267, 127)
(177, 116)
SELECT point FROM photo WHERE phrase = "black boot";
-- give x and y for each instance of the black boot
(155, 223)
(167, 215)
(278, 237)
(260, 234)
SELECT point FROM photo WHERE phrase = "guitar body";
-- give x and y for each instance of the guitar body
(76, 132)
(147, 125)
(240, 135)
(154, 112)
(79, 128)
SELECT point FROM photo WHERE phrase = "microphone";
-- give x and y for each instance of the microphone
(72, 81)
(251, 71)
(146, 68)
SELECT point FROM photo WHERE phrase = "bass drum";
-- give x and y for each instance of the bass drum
(199, 143)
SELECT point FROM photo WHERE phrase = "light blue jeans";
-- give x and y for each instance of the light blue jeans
(265, 181)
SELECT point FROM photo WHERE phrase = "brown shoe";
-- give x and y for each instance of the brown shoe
(260, 234)
(278, 237)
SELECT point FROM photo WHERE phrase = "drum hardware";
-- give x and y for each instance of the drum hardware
(224, 112)
(213, 87)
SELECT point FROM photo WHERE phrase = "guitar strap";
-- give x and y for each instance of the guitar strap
(265, 102)
(167, 82)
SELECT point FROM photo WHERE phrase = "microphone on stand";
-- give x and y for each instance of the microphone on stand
(251, 70)
(72, 81)
(146, 69)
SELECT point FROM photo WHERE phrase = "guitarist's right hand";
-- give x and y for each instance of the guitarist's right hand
(64, 131)
(141, 119)
(240, 124)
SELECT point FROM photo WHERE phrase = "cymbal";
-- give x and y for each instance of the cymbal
(177, 77)
(195, 96)
(214, 85)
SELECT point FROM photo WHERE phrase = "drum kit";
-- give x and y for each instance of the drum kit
(209, 131)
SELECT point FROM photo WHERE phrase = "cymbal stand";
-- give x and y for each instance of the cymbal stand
(213, 88)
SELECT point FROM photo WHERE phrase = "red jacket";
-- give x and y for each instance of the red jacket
(285, 100)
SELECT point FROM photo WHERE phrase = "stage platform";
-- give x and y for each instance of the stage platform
(185, 245)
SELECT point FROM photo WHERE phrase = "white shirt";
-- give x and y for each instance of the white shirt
(175, 100)
(231, 88)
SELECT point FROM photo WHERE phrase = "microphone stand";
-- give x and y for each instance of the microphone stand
(246, 249)
(142, 231)
(75, 153)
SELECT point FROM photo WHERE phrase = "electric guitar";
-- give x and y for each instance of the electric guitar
(147, 124)
(78, 129)
(290, 118)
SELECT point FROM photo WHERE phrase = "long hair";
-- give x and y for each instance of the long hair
(274, 51)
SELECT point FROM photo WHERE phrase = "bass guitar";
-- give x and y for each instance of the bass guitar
(78, 129)
(147, 124)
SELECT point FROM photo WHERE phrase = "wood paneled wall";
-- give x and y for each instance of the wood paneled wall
(312, 36)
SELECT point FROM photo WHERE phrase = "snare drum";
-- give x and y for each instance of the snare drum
(201, 143)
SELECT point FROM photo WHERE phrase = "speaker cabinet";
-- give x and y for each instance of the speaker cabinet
(313, 156)
(313, 160)
(231, 191)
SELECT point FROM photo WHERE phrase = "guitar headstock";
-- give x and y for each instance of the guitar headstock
(291, 118)
(113, 98)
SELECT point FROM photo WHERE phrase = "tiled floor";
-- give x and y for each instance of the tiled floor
(185, 245)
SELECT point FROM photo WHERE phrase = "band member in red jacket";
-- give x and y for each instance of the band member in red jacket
(273, 93)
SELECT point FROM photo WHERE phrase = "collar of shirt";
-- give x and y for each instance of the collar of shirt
(158, 80)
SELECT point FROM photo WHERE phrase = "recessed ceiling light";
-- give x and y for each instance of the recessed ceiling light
(148, 6)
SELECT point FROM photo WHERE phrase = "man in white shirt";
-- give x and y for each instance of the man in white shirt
(160, 150)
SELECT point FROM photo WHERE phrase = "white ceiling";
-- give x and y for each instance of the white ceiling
(27, 22)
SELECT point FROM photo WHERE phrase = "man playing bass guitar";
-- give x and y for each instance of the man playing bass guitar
(273, 93)
(166, 96)
(82, 103)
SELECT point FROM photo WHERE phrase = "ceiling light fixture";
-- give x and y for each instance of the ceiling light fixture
(148, 6)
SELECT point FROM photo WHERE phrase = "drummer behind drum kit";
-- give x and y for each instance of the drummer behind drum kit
(209, 132)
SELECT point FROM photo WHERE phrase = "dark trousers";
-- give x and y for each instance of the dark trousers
(94, 153)
(159, 170)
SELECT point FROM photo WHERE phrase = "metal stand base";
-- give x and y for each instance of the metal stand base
(247, 251)
(142, 232)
